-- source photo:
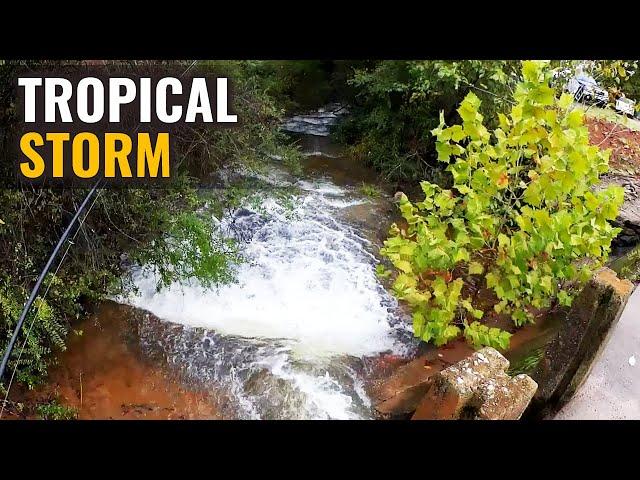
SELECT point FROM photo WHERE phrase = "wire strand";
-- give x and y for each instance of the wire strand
(35, 315)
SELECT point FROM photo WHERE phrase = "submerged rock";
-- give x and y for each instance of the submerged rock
(477, 388)
(244, 224)
(568, 358)
(400, 394)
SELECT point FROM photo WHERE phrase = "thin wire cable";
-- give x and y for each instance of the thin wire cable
(4, 402)
(41, 277)
(35, 315)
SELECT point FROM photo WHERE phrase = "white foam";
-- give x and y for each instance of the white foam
(309, 280)
(310, 283)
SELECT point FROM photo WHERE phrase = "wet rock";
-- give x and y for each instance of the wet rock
(503, 397)
(400, 394)
(280, 398)
(629, 215)
(582, 336)
(244, 224)
(316, 123)
(125, 261)
(477, 388)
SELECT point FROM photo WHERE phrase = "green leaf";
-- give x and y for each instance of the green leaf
(404, 266)
(564, 298)
(492, 279)
(475, 268)
(531, 70)
(444, 151)
(566, 100)
(461, 255)
(381, 271)
(439, 287)
(575, 118)
(418, 324)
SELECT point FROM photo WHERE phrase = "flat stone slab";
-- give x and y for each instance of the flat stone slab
(612, 390)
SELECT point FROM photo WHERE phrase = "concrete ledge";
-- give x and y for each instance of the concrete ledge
(612, 390)
(569, 357)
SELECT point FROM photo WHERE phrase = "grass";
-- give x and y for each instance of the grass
(527, 364)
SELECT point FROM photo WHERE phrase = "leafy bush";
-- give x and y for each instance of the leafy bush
(521, 221)
(397, 103)
(48, 331)
(299, 84)
(194, 249)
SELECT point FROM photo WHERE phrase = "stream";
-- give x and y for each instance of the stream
(290, 339)
(299, 335)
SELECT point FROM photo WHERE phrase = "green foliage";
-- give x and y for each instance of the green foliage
(480, 335)
(370, 190)
(299, 84)
(48, 331)
(527, 364)
(55, 411)
(194, 250)
(397, 103)
(520, 220)
(621, 77)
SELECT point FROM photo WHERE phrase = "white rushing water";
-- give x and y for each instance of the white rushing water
(306, 307)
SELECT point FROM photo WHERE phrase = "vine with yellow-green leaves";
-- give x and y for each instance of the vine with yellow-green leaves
(522, 219)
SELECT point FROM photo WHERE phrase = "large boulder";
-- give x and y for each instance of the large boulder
(568, 358)
(477, 388)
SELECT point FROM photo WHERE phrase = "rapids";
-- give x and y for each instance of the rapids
(290, 339)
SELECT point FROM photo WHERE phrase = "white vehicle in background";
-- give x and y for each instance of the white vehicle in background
(626, 106)
(584, 88)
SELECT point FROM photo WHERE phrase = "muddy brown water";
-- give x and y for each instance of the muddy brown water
(106, 374)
